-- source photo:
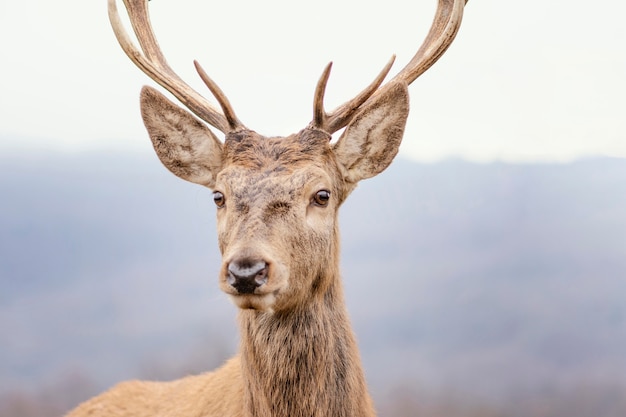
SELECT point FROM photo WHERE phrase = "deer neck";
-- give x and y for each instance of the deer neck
(304, 362)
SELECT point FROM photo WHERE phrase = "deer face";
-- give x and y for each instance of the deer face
(277, 198)
(277, 201)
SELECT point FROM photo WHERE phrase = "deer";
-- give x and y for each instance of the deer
(277, 202)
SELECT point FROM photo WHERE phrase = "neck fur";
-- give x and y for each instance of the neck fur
(304, 362)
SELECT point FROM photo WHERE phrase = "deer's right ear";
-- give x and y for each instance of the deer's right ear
(184, 145)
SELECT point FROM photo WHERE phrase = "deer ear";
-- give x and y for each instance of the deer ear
(184, 145)
(371, 140)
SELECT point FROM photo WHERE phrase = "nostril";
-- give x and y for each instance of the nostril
(261, 276)
(247, 275)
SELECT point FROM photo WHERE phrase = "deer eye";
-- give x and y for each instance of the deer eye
(321, 198)
(219, 199)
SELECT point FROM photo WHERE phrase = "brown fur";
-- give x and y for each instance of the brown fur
(298, 355)
(277, 200)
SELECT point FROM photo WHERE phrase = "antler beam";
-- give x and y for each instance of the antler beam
(151, 61)
(442, 32)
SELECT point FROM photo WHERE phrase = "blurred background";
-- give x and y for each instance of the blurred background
(485, 270)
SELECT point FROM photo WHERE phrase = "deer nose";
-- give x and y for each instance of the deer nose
(247, 275)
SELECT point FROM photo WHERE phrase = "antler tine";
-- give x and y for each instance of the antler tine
(221, 98)
(153, 63)
(442, 32)
(339, 117)
(319, 115)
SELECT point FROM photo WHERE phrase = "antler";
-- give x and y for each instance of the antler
(442, 32)
(153, 63)
(346, 110)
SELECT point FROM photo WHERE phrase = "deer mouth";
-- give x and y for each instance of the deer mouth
(260, 302)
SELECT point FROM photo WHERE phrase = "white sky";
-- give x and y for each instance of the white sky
(533, 80)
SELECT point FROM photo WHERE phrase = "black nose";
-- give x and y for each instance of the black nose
(246, 275)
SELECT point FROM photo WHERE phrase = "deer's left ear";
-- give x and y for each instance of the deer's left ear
(371, 140)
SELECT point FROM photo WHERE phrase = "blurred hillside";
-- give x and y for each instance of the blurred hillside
(482, 290)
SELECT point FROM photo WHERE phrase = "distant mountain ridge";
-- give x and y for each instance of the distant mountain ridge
(482, 277)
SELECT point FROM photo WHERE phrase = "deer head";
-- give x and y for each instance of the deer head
(277, 197)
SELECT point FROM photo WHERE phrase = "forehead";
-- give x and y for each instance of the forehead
(243, 184)
(250, 150)
(276, 166)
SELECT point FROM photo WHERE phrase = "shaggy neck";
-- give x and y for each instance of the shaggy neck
(303, 363)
